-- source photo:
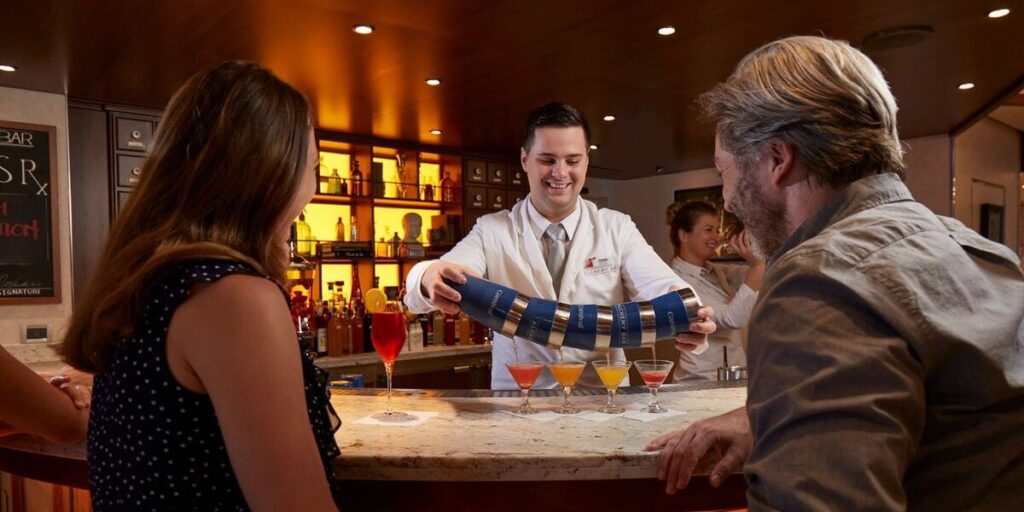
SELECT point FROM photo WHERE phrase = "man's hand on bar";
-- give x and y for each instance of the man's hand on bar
(698, 335)
(441, 295)
(728, 434)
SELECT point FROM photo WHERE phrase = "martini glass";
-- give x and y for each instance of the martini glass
(653, 372)
(388, 336)
(525, 374)
(567, 373)
(611, 374)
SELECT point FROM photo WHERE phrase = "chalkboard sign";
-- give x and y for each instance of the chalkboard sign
(29, 257)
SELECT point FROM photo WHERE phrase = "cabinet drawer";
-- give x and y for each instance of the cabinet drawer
(476, 171)
(496, 173)
(514, 196)
(129, 170)
(134, 134)
(476, 197)
(497, 199)
(517, 177)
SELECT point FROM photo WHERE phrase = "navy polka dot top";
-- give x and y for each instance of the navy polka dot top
(155, 445)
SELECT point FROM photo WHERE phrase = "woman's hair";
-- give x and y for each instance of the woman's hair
(823, 97)
(686, 217)
(226, 164)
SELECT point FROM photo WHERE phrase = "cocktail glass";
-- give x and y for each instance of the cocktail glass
(525, 374)
(611, 374)
(653, 372)
(388, 336)
(567, 373)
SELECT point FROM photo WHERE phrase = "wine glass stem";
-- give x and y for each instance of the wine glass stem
(526, 398)
(653, 404)
(611, 398)
(565, 402)
(388, 367)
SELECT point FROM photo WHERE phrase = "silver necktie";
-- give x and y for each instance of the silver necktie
(555, 240)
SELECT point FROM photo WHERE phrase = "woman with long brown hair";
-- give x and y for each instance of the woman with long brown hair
(202, 398)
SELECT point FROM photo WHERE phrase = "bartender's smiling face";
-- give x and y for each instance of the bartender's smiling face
(556, 166)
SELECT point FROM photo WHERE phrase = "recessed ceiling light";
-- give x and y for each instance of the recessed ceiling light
(362, 28)
(667, 31)
(998, 13)
(435, 131)
(965, 86)
(8, 68)
(593, 146)
(609, 117)
(433, 81)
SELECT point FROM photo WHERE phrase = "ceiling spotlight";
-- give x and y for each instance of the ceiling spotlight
(998, 13)
(433, 82)
(667, 31)
(593, 146)
(8, 68)
(965, 86)
(609, 117)
(435, 131)
(362, 28)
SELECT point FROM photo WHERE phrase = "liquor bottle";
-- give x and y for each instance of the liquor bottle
(353, 229)
(334, 182)
(449, 329)
(323, 319)
(339, 230)
(345, 328)
(438, 338)
(394, 245)
(377, 179)
(426, 327)
(359, 328)
(344, 188)
(447, 189)
(428, 192)
(415, 335)
(356, 178)
(478, 332)
(303, 235)
(463, 329)
(335, 337)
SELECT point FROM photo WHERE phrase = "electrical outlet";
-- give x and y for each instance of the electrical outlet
(39, 333)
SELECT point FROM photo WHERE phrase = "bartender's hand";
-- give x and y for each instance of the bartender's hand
(699, 330)
(441, 295)
(728, 434)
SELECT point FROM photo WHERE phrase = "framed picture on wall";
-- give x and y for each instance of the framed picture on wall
(29, 259)
(730, 225)
(992, 222)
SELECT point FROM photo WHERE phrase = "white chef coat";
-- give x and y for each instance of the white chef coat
(732, 312)
(608, 262)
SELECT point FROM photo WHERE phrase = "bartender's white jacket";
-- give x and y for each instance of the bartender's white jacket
(609, 262)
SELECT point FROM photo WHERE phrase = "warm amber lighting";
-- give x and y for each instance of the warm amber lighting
(609, 117)
(363, 29)
(8, 68)
(965, 86)
(998, 13)
(593, 146)
(667, 31)
(435, 131)
(433, 82)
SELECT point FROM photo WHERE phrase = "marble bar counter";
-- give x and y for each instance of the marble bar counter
(474, 452)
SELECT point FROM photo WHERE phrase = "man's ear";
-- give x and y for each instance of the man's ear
(522, 158)
(783, 158)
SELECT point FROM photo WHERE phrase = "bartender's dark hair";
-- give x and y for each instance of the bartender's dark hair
(561, 115)
(226, 164)
(686, 217)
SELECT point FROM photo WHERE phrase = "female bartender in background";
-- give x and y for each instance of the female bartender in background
(730, 290)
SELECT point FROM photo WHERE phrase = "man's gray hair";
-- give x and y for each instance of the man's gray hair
(823, 97)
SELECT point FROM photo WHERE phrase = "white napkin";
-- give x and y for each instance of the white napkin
(421, 418)
(595, 416)
(643, 415)
(538, 416)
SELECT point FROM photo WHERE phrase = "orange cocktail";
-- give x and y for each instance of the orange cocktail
(567, 373)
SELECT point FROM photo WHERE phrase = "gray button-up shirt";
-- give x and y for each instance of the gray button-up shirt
(886, 363)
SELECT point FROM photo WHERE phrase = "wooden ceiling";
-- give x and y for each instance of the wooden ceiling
(498, 59)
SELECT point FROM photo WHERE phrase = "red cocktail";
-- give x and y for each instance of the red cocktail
(388, 336)
(653, 372)
(525, 374)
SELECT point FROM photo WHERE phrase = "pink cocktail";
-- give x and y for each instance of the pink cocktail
(388, 336)
(653, 372)
(525, 374)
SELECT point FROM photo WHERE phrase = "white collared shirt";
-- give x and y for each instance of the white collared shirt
(731, 315)
(539, 224)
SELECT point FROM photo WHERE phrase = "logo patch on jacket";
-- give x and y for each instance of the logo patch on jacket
(598, 266)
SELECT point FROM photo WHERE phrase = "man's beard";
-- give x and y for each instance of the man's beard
(764, 222)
